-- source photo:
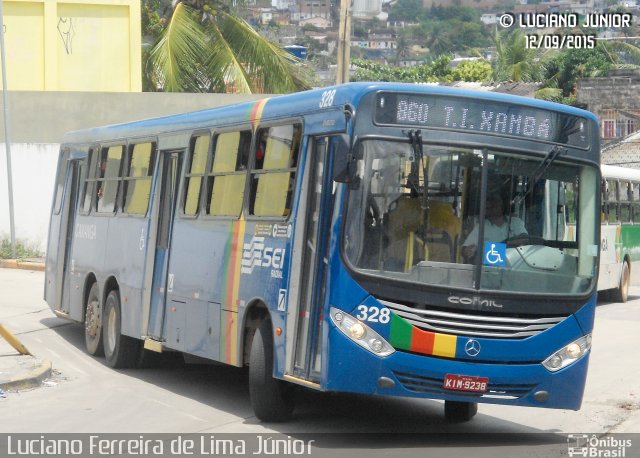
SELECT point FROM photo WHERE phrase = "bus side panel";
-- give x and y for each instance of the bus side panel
(630, 235)
(125, 252)
(610, 257)
(195, 287)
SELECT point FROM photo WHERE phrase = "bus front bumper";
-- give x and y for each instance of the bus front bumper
(420, 376)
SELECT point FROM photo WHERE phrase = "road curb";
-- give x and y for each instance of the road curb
(19, 264)
(29, 374)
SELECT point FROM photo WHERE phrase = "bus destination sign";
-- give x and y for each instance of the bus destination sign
(467, 115)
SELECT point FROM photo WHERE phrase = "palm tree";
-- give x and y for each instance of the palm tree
(514, 61)
(206, 47)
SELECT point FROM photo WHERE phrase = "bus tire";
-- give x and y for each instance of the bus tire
(457, 411)
(120, 351)
(272, 400)
(93, 323)
(621, 293)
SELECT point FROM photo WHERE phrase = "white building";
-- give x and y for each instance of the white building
(366, 8)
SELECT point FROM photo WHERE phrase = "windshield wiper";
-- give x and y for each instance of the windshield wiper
(415, 136)
(537, 174)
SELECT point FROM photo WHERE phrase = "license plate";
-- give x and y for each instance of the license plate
(466, 383)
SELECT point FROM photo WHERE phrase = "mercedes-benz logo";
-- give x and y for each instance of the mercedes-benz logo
(472, 347)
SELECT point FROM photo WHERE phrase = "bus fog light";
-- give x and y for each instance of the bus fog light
(377, 345)
(357, 330)
(360, 333)
(568, 354)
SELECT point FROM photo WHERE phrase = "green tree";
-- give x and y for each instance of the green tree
(514, 61)
(207, 47)
(472, 70)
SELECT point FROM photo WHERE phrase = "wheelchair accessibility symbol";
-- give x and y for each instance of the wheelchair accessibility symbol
(495, 254)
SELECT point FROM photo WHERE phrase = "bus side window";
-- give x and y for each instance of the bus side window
(635, 212)
(108, 178)
(89, 183)
(193, 179)
(612, 201)
(137, 184)
(228, 175)
(273, 177)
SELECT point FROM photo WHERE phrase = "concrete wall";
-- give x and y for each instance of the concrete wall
(38, 121)
(58, 45)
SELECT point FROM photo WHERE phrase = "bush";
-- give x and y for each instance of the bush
(24, 249)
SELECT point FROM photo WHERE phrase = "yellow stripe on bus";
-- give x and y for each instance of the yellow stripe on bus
(444, 345)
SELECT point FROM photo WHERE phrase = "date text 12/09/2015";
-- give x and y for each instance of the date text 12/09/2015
(560, 41)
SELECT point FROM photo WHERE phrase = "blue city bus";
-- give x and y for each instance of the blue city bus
(330, 239)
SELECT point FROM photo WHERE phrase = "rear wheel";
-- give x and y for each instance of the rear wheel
(120, 351)
(460, 411)
(271, 399)
(621, 293)
(93, 323)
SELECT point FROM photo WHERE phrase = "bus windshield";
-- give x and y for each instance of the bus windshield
(415, 216)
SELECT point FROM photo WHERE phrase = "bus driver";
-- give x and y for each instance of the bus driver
(496, 226)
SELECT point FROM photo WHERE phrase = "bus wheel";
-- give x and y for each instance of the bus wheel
(621, 293)
(120, 351)
(271, 399)
(460, 411)
(93, 323)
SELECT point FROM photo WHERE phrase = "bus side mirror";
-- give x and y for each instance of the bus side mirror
(341, 158)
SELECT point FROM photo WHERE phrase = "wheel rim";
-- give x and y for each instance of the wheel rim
(625, 281)
(93, 318)
(111, 330)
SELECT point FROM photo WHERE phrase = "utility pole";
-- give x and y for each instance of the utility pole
(344, 42)
(7, 141)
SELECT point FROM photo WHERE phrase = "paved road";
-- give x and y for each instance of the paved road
(86, 396)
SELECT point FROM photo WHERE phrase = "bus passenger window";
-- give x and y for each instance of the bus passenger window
(193, 179)
(108, 178)
(228, 175)
(635, 213)
(273, 176)
(137, 185)
(89, 183)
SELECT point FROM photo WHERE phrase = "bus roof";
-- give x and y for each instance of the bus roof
(620, 173)
(290, 105)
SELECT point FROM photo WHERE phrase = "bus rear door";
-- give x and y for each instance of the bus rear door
(68, 211)
(170, 167)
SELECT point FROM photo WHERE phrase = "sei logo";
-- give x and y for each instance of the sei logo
(256, 254)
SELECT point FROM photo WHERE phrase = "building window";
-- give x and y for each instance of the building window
(608, 128)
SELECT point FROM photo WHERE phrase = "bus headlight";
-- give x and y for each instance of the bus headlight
(568, 354)
(360, 333)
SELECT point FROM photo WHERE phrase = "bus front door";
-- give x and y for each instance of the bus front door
(307, 360)
(161, 282)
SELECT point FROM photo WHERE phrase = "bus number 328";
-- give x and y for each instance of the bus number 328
(373, 314)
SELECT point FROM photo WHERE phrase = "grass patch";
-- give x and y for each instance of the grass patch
(24, 249)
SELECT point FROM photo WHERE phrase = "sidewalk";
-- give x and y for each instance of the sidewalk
(27, 264)
(19, 372)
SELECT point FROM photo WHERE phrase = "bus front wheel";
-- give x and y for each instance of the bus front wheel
(621, 293)
(120, 351)
(93, 323)
(271, 399)
(460, 411)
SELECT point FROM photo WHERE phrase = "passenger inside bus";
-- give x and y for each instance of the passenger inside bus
(497, 227)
